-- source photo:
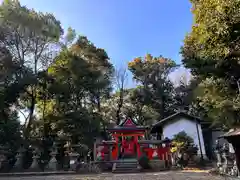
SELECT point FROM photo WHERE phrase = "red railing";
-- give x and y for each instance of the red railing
(163, 153)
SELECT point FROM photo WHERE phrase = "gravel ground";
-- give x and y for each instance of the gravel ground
(139, 176)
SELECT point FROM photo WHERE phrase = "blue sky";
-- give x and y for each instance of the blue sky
(125, 28)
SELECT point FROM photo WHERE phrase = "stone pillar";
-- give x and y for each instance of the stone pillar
(3, 157)
(18, 166)
(225, 156)
(53, 164)
(234, 170)
(218, 154)
(173, 160)
(66, 159)
(74, 160)
(35, 166)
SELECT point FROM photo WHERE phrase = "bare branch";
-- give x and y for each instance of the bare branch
(121, 78)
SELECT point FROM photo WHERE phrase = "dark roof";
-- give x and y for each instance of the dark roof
(128, 125)
(123, 123)
(127, 129)
(174, 116)
(154, 141)
(232, 133)
(177, 115)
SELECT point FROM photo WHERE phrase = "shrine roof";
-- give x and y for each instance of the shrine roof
(128, 129)
(128, 125)
(128, 122)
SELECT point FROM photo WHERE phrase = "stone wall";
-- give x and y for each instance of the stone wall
(158, 165)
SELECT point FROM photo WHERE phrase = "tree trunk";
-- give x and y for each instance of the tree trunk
(120, 104)
(31, 113)
(102, 121)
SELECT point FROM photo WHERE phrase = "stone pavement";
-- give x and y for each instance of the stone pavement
(139, 176)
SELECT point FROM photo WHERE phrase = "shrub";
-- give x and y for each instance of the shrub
(144, 162)
(183, 144)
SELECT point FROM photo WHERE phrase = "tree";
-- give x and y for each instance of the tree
(99, 63)
(184, 95)
(70, 109)
(213, 41)
(131, 107)
(153, 74)
(211, 52)
(9, 122)
(121, 77)
(31, 38)
(73, 106)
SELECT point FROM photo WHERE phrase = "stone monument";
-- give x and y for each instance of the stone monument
(53, 164)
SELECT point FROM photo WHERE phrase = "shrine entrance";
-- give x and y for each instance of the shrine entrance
(126, 137)
(127, 147)
(128, 144)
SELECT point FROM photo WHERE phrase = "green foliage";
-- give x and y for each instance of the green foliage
(73, 107)
(144, 162)
(32, 39)
(62, 84)
(9, 88)
(10, 130)
(132, 107)
(211, 51)
(182, 140)
(153, 75)
(40, 77)
(184, 145)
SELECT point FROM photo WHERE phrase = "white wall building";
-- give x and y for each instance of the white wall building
(192, 128)
(204, 137)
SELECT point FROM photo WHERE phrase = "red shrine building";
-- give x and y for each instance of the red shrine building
(126, 137)
(130, 142)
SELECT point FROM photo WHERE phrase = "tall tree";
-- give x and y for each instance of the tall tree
(9, 92)
(99, 63)
(73, 106)
(211, 51)
(153, 74)
(31, 38)
(69, 107)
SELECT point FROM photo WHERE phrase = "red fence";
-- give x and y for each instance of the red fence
(161, 153)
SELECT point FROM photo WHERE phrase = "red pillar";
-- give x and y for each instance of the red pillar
(116, 145)
(138, 147)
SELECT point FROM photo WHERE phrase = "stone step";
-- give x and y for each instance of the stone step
(124, 170)
(123, 167)
(126, 165)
